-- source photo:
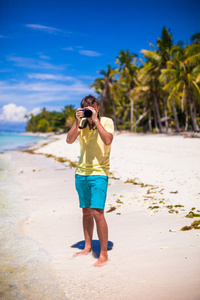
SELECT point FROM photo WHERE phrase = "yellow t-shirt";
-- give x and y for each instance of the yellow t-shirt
(94, 154)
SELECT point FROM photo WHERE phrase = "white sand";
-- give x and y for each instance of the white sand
(171, 163)
(151, 258)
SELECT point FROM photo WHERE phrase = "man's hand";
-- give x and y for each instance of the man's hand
(79, 114)
(94, 116)
(74, 132)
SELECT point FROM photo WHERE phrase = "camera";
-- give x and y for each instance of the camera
(87, 113)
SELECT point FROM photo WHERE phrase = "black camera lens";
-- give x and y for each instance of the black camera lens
(87, 113)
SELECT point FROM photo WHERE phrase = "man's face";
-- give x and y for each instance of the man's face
(95, 106)
(95, 109)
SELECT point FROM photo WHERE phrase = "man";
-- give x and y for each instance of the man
(91, 176)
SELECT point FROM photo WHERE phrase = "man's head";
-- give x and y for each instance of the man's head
(89, 101)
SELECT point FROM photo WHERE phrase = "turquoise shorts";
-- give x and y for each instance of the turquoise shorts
(92, 190)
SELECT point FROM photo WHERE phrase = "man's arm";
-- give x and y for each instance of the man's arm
(74, 132)
(106, 136)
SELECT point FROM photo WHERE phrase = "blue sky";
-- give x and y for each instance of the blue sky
(51, 51)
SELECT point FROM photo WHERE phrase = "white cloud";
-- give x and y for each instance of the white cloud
(32, 63)
(42, 76)
(13, 113)
(83, 52)
(35, 111)
(47, 29)
(25, 87)
(44, 57)
(40, 93)
(89, 53)
(69, 49)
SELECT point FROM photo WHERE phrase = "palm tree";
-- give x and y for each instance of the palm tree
(156, 61)
(184, 71)
(104, 87)
(149, 77)
(127, 81)
(195, 38)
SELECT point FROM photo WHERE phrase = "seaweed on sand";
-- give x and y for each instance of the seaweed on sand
(191, 215)
(134, 181)
(194, 225)
(154, 207)
(112, 208)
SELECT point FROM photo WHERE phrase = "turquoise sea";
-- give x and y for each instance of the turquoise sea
(13, 141)
(24, 263)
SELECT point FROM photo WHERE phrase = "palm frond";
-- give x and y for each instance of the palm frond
(151, 55)
(196, 90)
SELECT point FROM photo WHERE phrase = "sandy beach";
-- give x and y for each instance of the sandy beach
(154, 184)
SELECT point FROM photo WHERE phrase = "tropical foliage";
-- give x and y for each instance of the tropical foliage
(47, 121)
(156, 93)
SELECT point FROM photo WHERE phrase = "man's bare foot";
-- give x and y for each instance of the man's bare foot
(101, 261)
(83, 252)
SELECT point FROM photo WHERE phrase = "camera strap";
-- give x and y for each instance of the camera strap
(86, 122)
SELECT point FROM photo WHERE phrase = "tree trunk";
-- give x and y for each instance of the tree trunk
(193, 112)
(149, 121)
(140, 118)
(103, 104)
(186, 120)
(158, 114)
(175, 116)
(155, 118)
(114, 114)
(165, 111)
(131, 116)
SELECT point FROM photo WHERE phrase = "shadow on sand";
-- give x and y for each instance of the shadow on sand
(95, 247)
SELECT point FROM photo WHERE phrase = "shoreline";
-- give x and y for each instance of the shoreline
(156, 258)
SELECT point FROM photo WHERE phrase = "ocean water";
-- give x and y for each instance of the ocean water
(13, 141)
(24, 264)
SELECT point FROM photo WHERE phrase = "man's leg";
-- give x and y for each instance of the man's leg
(102, 231)
(88, 226)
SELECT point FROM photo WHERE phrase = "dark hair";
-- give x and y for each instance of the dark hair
(89, 100)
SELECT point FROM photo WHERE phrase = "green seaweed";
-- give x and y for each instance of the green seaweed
(112, 208)
(111, 176)
(191, 215)
(134, 181)
(119, 201)
(194, 225)
(185, 228)
(154, 207)
(171, 211)
(59, 159)
(169, 206)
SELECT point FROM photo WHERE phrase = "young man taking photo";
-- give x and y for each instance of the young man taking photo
(91, 176)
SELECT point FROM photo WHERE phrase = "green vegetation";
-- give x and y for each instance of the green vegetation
(158, 93)
(47, 121)
(152, 95)
(191, 215)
